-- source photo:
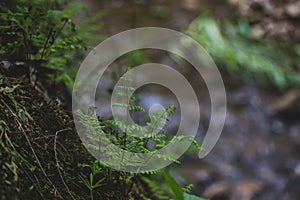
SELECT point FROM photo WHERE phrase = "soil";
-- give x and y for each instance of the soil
(41, 154)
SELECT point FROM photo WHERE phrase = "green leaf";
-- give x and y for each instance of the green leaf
(91, 179)
(4, 27)
(22, 114)
(85, 182)
(174, 186)
(99, 183)
(187, 196)
(9, 89)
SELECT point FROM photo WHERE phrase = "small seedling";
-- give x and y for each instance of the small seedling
(90, 182)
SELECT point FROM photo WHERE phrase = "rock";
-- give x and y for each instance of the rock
(293, 9)
(242, 190)
(190, 5)
(246, 190)
(279, 29)
(275, 18)
(279, 12)
(236, 2)
(5, 64)
(257, 31)
(217, 190)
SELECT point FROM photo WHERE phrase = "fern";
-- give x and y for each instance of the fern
(125, 140)
(120, 133)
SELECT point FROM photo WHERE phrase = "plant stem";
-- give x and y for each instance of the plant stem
(46, 42)
(91, 193)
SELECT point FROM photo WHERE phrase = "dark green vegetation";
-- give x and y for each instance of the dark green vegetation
(38, 36)
(41, 154)
(123, 139)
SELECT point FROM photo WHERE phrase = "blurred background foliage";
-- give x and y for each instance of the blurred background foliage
(234, 47)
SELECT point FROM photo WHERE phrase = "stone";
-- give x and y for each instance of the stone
(293, 9)
(190, 5)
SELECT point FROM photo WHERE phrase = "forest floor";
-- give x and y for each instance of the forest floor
(41, 153)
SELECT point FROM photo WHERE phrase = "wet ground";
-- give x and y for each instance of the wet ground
(257, 155)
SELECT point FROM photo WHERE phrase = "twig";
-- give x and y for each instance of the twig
(33, 182)
(44, 137)
(56, 159)
(27, 57)
(30, 146)
(20, 156)
(46, 42)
